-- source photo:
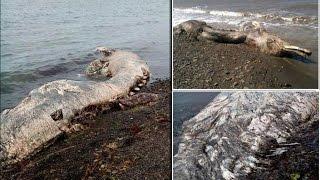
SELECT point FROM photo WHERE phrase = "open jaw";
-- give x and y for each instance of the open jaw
(230, 137)
(296, 50)
(47, 111)
(252, 34)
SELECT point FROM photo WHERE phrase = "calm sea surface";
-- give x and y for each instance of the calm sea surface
(48, 40)
(296, 21)
(185, 106)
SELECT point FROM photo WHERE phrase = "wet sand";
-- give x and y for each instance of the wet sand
(123, 144)
(204, 65)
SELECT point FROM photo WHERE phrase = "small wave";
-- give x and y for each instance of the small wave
(6, 55)
(18, 77)
(226, 13)
(6, 88)
(190, 10)
(81, 75)
(292, 19)
(90, 55)
(78, 61)
(232, 17)
(53, 70)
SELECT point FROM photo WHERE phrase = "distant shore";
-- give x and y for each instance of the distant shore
(199, 64)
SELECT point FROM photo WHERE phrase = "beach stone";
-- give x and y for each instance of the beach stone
(136, 89)
(287, 85)
(235, 84)
(138, 99)
(211, 72)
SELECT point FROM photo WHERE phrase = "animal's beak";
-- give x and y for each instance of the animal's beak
(297, 50)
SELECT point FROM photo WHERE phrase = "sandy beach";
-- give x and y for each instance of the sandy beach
(200, 64)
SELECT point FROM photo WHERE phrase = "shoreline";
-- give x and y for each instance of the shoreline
(200, 64)
(117, 144)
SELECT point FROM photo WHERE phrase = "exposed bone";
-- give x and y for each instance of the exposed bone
(77, 127)
(145, 77)
(145, 72)
(136, 89)
(121, 106)
(291, 144)
(296, 48)
(105, 51)
(98, 67)
(278, 152)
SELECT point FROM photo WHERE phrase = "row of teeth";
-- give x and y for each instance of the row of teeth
(141, 82)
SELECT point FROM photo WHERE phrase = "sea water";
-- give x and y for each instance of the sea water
(185, 106)
(42, 41)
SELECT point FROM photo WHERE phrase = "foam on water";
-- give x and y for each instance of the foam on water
(191, 10)
(282, 18)
(226, 13)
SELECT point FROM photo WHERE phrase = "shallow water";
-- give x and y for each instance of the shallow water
(185, 106)
(296, 21)
(49, 40)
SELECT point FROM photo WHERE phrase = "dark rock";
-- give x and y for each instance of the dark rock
(287, 85)
(235, 84)
(57, 115)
